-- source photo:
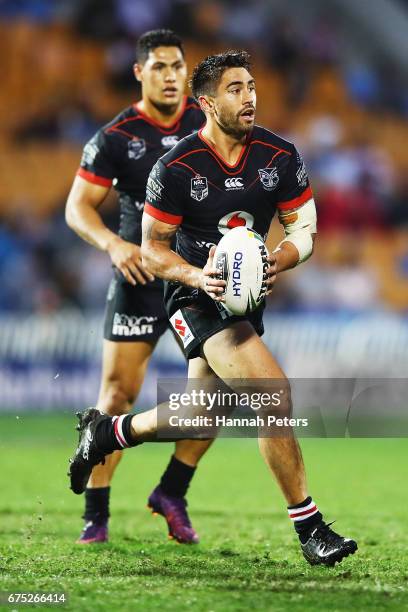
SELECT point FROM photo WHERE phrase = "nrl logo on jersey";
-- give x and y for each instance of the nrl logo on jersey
(136, 148)
(199, 188)
(169, 141)
(269, 177)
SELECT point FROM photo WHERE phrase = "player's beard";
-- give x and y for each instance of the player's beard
(230, 125)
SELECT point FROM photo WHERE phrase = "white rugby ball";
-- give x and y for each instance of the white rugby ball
(242, 260)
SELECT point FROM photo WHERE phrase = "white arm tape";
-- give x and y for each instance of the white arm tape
(299, 226)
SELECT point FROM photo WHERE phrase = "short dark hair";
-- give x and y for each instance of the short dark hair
(156, 38)
(207, 74)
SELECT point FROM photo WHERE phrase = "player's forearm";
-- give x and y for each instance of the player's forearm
(167, 265)
(88, 224)
(287, 257)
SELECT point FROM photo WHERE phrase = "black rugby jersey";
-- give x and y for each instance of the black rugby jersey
(123, 153)
(194, 187)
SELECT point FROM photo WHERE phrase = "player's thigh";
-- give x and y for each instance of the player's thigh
(239, 356)
(134, 320)
(199, 368)
(238, 352)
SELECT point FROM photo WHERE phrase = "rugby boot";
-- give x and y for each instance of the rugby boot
(94, 533)
(87, 453)
(174, 510)
(326, 547)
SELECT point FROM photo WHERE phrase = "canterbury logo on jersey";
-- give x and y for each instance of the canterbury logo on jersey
(169, 141)
(234, 183)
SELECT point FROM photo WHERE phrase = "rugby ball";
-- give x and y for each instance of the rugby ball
(241, 258)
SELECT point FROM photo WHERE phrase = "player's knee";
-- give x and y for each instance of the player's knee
(116, 398)
(276, 399)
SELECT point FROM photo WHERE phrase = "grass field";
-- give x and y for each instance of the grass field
(248, 557)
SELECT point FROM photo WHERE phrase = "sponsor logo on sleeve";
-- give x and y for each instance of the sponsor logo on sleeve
(269, 177)
(91, 150)
(235, 183)
(199, 188)
(169, 141)
(301, 175)
(154, 187)
(136, 148)
(181, 328)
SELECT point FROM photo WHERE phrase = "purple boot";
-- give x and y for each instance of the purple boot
(174, 510)
(94, 533)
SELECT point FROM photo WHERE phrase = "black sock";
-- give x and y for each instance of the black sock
(115, 434)
(176, 478)
(305, 517)
(97, 504)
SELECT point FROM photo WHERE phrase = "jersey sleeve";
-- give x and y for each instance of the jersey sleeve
(163, 195)
(98, 160)
(294, 189)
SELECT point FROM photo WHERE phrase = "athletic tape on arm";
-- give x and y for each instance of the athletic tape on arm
(299, 225)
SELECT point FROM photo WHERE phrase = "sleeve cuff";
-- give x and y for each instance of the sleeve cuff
(162, 216)
(296, 202)
(94, 178)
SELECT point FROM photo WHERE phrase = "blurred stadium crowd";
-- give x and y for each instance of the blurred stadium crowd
(69, 71)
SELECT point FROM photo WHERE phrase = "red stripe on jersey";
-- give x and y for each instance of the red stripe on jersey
(232, 166)
(161, 215)
(165, 129)
(94, 178)
(267, 144)
(195, 173)
(295, 513)
(175, 161)
(296, 202)
(219, 159)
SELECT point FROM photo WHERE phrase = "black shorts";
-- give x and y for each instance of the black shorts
(194, 317)
(134, 312)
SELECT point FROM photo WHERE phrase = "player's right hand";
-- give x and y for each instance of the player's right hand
(212, 285)
(126, 257)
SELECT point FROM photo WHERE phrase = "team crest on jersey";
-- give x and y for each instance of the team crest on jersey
(136, 148)
(199, 188)
(269, 177)
(169, 141)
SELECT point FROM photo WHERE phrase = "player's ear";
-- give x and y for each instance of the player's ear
(137, 71)
(206, 103)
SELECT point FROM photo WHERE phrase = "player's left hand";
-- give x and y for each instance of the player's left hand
(271, 272)
(210, 283)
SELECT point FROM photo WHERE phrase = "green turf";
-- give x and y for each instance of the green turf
(248, 557)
